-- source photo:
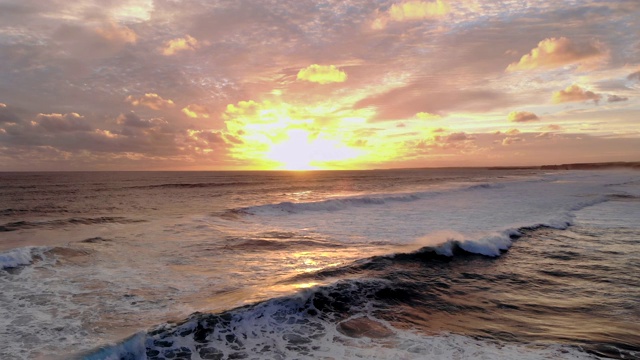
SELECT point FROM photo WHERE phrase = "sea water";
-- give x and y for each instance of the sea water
(408, 264)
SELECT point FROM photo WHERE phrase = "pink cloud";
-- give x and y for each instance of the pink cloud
(574, 93)
(556, 52)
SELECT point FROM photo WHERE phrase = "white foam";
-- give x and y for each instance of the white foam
(21, 256)
(329, 205)
(282, 329)
(131, 348)
(483, 217)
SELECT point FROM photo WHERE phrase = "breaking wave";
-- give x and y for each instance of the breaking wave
(18, 225)
(342, 321)
(22, 256)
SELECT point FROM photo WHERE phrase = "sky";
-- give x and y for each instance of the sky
(298, 84)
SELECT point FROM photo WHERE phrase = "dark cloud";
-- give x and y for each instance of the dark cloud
(62, 123)
(130, 119)
(616, 98)
(6, 115)
(213, 138)
(72, 133)
(634, 76)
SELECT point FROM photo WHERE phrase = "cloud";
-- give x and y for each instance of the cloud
(634, 76)
(196, 111)
(322, 74)
(522, 116)
(574, 93)
(209, 138)
(418, 10)
(616, 98)
(552, 127)
(412, 11)
(422, 96)
(427, 116)
(115, 33)
(455, 137)
(150, 100)
(172, 47)
(546, 135)
(277, 134)
(556, 52)
(132, 120)
(62, 123)
(6, 115)
(454, 143)
(511, 140)
(512, 132)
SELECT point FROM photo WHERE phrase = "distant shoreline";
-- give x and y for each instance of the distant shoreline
(576, 166)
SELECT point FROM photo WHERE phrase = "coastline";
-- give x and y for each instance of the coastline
(635, 165)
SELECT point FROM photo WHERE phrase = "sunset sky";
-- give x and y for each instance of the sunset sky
(296, 84)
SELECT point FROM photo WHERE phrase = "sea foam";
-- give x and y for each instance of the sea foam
(21, 256)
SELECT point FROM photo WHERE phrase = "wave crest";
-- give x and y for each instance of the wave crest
(21, 256)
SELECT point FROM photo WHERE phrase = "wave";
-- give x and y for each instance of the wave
(341, 321)
(265, 244)
(197, 185)
(43, 210)
(442, 247)
(337, 204)
(329, 205)
(624, 197)
(487, 186)
(22, 256)
(18, 225)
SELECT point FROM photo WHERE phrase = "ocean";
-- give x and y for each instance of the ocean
(381, 264)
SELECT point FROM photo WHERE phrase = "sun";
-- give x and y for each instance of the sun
(302, 151)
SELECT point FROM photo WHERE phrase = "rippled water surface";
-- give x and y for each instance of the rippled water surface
(415, 264)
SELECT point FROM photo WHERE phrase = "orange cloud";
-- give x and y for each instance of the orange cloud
(119, 34)
(188, 42)
(322, 74)
(574, 93)
(418, 10)
(196, 111)
(557, 52)
(522, 116)
(411, 11)
(151, 100)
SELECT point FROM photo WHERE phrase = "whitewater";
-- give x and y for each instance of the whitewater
(410, 264)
